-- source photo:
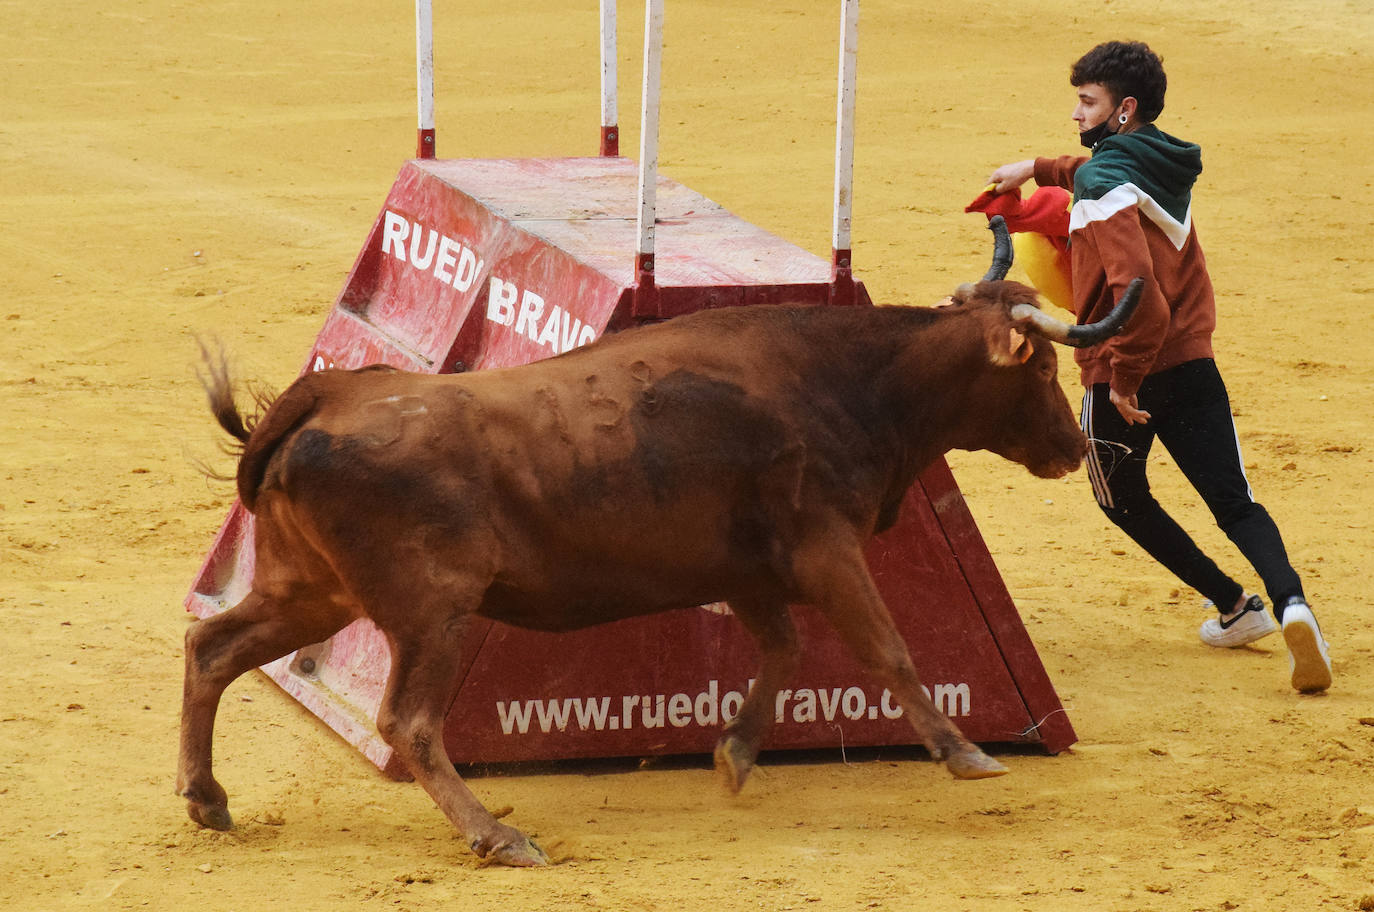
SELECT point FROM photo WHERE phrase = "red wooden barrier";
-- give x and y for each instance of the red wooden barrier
(475, 264)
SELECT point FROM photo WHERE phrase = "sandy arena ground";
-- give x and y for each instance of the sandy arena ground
(172, 168)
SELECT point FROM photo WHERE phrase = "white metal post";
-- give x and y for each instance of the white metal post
(424, 75)
(648, 150)
(844, 147)
(610, 115)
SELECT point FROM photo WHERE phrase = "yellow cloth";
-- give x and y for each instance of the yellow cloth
(1045, 266)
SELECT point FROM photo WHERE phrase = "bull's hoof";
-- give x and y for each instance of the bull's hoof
(524, 853)
(734, 761)
(972, 763)
(501, 844)
(214, 816)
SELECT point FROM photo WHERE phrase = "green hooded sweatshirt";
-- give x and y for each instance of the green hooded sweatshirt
(1148, 168)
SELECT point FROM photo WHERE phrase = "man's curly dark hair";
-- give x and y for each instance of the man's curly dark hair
(1126, 68)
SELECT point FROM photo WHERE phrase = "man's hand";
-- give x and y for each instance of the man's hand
(1009, 177)
(1129, 408)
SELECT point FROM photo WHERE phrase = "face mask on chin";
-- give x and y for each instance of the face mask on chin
(1095, 135)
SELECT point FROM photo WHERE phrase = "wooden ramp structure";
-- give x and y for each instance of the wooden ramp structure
(474, 264)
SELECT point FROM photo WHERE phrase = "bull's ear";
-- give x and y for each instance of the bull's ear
(1021, 346)
(1009, 346)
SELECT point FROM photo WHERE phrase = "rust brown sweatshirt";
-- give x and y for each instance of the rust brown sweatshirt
(1132, 216)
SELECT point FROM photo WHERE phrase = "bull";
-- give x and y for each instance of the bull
(740, 455)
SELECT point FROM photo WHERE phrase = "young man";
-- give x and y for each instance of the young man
(1132, 216)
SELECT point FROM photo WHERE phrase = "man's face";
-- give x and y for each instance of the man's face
(1095, 105)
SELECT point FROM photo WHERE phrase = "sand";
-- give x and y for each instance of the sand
(172, 169)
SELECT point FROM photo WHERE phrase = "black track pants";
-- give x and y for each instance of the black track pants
(1191, 415)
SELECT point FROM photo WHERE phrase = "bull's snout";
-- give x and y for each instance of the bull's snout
(1071, 450)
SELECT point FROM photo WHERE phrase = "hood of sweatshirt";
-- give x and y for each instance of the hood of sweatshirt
(1147, 168)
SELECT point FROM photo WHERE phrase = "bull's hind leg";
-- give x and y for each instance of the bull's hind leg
(419, 693)
(219, 649)
(770, 623)
(836, 581)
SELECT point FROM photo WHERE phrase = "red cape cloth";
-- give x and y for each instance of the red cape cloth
(1046, 212)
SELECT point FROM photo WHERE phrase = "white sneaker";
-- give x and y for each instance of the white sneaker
(1237, 628)
(1306, 648)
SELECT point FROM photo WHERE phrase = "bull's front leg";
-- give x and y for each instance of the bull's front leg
(411, 720)
(770, 624)
(836, 581)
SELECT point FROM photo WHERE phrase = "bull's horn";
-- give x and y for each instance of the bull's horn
(1090, 334)
(1001, 250)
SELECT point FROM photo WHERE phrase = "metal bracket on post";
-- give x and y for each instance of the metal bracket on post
(610, 116)
(842, 289)
(610, 141)
(424, 76)
(646, 299)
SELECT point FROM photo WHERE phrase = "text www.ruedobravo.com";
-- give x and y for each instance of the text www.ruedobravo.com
(710, 707)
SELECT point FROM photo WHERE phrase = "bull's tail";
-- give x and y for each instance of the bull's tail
(219, 390)
(259, 432)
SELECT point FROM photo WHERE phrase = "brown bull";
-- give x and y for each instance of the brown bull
(742, 455)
